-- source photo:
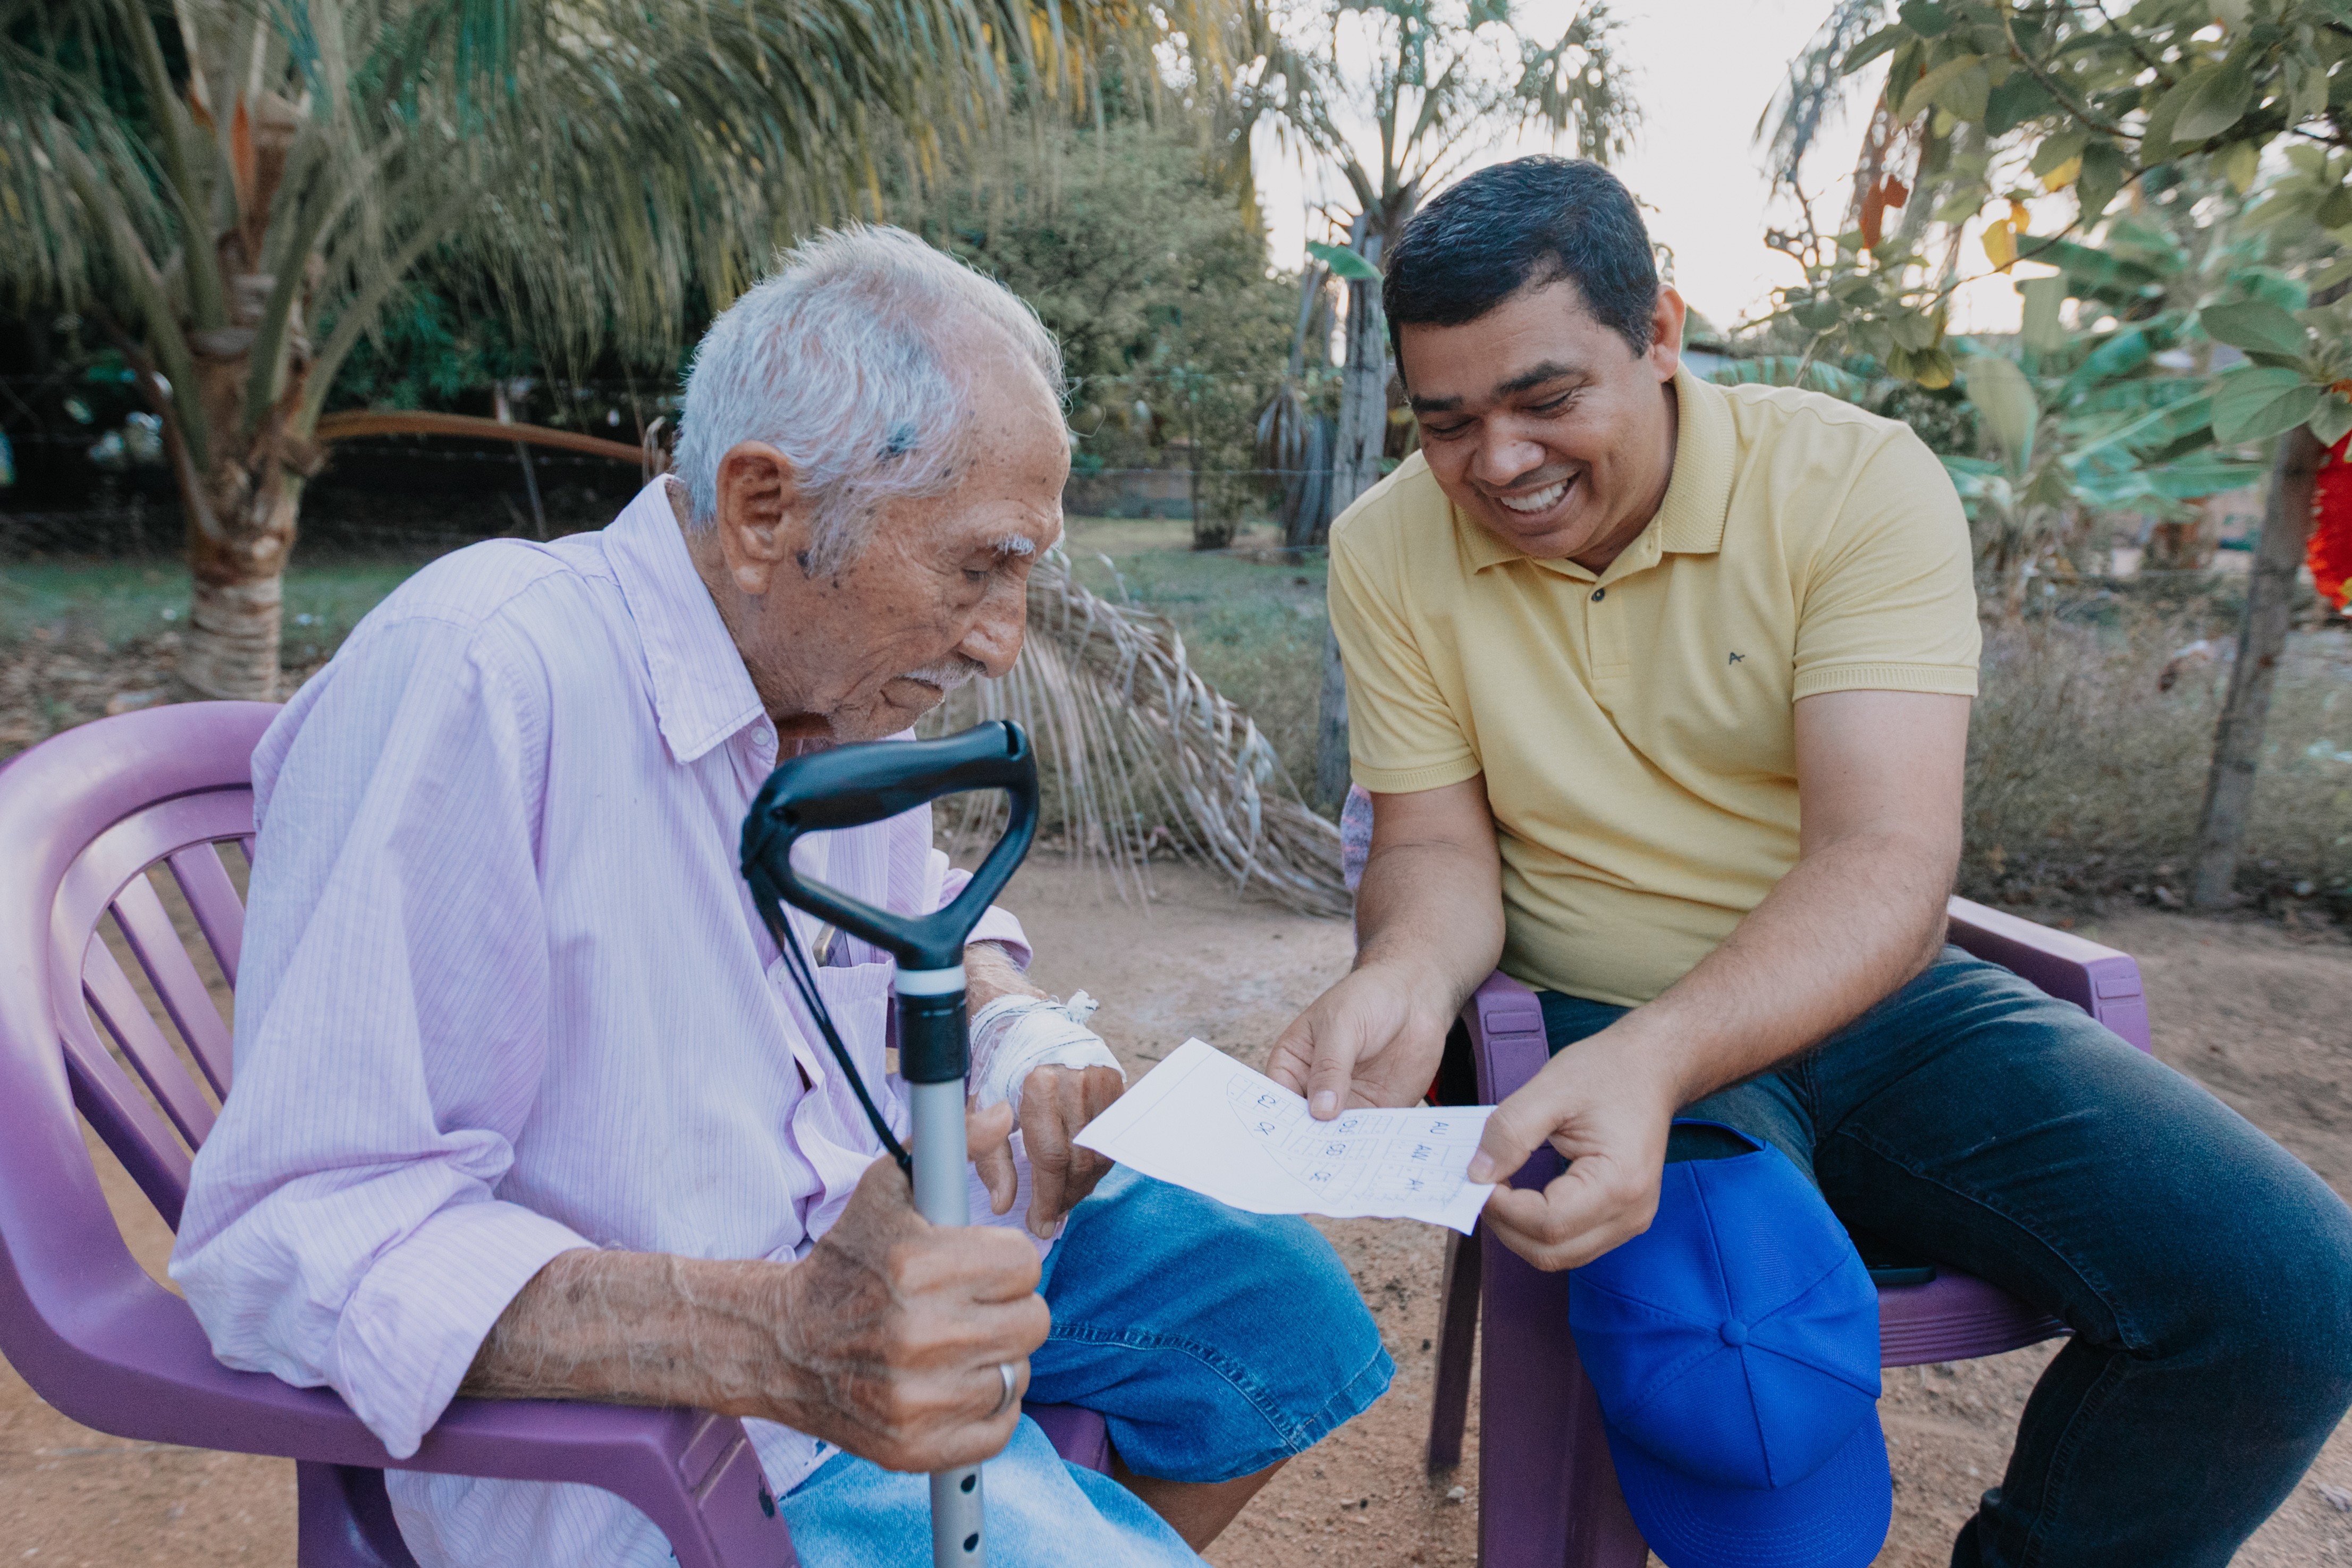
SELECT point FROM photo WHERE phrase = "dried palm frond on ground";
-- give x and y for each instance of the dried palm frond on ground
(1141, 755)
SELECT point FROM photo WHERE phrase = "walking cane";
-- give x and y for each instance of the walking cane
(850, 786)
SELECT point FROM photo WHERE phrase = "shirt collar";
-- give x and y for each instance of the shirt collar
(702, 694)
(1690, 518)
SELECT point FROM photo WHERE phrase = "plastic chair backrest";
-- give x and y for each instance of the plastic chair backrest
(81, 818)
(179, 839)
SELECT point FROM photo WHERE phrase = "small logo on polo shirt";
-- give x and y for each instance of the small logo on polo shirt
(1737, 657)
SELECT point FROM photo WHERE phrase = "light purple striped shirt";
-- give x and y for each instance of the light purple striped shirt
(505, 994)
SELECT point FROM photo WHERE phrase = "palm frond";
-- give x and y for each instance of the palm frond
(1816, 88)
(610, 166)
(73, 109)
(1141, 753)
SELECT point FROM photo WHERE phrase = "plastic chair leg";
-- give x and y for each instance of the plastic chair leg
(1548, 1489)
(1457, 1337)
(344, 1519)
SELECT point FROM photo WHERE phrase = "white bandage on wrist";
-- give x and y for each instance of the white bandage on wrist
(1014, 1036)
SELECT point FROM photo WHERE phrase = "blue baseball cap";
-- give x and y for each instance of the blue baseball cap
(1734, 1347)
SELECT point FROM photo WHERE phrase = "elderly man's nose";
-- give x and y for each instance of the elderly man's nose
(994, 640)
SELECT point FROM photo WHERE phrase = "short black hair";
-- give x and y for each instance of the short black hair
(1530, 221)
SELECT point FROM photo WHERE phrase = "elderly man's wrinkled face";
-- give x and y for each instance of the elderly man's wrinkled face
(935, 594)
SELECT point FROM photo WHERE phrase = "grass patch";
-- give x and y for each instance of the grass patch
(1252, 622)
(79, 639)
(2084, 780)
(120, 603)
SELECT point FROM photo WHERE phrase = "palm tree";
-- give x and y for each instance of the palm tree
(236, 190)
(1435, 84)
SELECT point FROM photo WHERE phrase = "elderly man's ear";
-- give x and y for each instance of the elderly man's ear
(763, 521)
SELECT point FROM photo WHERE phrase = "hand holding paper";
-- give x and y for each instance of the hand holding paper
(1202, 1121)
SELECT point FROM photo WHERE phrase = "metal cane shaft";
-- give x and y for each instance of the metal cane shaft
(944, 1196)
(942, 1191)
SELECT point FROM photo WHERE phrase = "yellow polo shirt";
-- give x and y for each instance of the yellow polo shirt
(1637, 727)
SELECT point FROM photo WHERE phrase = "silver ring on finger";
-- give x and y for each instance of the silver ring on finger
(1012, 1381)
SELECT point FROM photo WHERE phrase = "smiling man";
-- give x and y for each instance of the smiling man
(524, 1106)
(1660, 691)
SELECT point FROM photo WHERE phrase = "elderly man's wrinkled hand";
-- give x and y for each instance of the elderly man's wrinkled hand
(1056, 1103)
(893, 1330)
(988, 1144)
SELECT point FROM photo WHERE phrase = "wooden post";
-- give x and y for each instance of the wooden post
(522, 455)
(2238, 740)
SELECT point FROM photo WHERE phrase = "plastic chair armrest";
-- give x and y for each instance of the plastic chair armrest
(1507, 1036)
(141, 1367)
(693, 1473)
(2101, 980)
(1080, 1436)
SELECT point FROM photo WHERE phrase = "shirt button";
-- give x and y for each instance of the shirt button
(1599, 595)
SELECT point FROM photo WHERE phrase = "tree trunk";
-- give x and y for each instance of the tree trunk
(1307, 497)
(244, 496)
(238, 575)
(2238, 740)
(1355, 469)
(1363, 390)
(1331, 771)
(242, 505)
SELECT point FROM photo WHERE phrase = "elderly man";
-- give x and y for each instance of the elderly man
(1662, 691)
(524, 1106)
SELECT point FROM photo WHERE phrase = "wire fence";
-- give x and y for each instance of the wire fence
(362, 504)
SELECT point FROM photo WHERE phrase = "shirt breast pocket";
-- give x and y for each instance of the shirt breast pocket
(1726, 689)
(857, 997)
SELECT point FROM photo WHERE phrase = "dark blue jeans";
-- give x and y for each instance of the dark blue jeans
(2206, 1272)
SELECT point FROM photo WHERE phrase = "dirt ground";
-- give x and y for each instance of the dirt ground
(2255, 1012)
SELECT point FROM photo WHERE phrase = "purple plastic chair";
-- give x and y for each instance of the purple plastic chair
(1547, 1494)
(84, 817)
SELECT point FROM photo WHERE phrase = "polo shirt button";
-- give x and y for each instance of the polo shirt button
(1599, 595)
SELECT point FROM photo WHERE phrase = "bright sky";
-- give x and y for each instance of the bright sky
(1705, 71)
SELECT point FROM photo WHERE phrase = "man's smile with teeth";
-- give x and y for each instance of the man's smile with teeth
(1540, 499)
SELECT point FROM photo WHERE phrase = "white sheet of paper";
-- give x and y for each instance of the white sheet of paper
(1201, 1119)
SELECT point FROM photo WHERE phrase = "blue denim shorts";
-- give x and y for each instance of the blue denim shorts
(1215, 1343)
(1041, 1513)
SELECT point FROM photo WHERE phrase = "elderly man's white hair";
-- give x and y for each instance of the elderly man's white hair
(845, 361)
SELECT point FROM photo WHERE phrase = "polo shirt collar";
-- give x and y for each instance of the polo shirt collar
(701, 692)
(1698, 496)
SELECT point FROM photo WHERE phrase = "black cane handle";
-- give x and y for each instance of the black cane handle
(850, 786)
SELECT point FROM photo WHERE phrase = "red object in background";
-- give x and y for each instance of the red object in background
(2330, 552)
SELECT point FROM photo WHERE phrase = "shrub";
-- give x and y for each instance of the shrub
(2086, 779)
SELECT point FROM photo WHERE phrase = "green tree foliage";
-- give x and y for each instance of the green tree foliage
(1151, 273)
(1986, 101)
(428, 352)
